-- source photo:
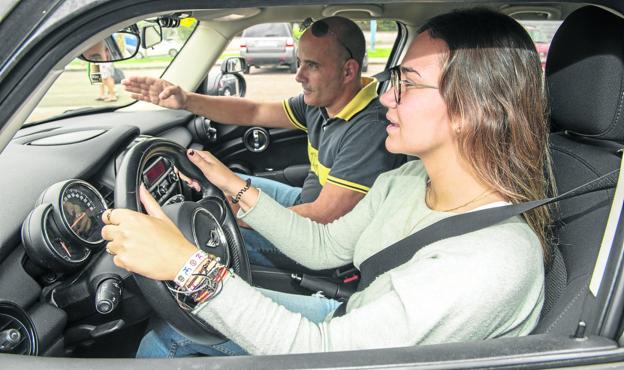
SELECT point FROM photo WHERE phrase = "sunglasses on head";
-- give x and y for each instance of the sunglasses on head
(320, 29)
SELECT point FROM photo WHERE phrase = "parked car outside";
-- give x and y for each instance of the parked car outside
(166, 47)
(542, 50)
(269, 44)
(542, 33)
(542, 43)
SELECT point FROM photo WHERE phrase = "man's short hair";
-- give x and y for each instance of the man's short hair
(347, 34)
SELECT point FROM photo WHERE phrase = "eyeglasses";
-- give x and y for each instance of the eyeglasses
(394, 75)
(320, 29)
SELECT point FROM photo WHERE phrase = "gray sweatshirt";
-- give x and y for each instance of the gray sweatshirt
(485, 284)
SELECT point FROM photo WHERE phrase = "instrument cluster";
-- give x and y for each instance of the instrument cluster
(65, 227)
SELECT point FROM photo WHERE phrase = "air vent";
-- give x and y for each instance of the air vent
(107, 193)
(17, 332)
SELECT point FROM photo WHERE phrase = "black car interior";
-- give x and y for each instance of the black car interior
(56, 314)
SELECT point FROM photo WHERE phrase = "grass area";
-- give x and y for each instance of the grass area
(227, 55)
(379, 53)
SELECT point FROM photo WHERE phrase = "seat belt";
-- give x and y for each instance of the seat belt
(403, 250)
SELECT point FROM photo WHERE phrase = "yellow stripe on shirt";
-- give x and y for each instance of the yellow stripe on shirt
(291, 116)
(322, 173)
(348, 184)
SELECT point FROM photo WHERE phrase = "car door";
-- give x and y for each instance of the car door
(277, 154)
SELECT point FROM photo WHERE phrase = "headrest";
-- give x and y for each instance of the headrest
(585, 75)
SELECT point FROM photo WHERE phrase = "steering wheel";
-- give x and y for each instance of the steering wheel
(209, 224)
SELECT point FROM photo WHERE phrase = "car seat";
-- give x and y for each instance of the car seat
(584, 77)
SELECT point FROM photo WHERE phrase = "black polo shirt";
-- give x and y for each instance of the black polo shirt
(347, 150)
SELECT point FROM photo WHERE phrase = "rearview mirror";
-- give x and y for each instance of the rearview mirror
(233, 65)
(150, 36)
(119, 46)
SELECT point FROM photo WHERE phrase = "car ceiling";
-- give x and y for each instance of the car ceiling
(411, 14)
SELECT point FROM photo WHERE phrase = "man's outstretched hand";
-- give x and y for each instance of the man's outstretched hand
(156, 91)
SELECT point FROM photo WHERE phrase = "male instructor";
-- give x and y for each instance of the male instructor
(338, 110)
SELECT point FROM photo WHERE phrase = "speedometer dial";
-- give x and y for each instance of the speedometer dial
(65, 226)
(47, 246)
(81, 207)
(63, 248)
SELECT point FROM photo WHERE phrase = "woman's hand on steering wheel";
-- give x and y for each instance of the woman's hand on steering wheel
(192, 183)
(214, 170)
(218, 174)
(150, 245)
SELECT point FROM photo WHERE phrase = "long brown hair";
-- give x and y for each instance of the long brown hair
(492, 83)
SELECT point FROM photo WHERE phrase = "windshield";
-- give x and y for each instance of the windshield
(74, 90)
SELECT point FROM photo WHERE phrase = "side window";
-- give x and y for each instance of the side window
(74, 90)
(270, 51)
(542, 33)
(380, 37)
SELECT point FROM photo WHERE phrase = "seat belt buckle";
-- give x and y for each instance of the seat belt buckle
(328, 288)
(351, 278)
(347, 274)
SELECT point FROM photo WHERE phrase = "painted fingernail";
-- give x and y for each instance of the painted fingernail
(191, 152)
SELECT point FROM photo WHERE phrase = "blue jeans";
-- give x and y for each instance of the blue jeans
(164, 341)
(260, 250)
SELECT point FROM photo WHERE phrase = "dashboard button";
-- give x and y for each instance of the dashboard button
(173, 177)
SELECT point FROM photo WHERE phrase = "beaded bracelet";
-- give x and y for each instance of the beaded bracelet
(237, 197)
(189, 267)
(213, 288)
(199, 280)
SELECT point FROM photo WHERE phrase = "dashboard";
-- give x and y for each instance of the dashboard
(57, 179)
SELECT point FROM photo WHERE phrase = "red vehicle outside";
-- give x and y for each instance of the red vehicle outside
(541, 38)
(542, 50)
